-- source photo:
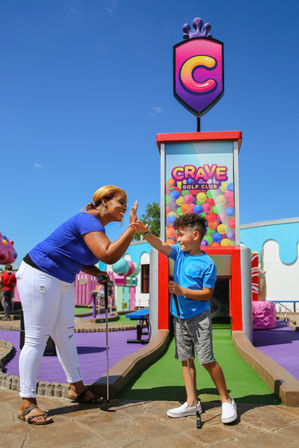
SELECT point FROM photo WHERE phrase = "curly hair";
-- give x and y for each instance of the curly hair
(192, 221)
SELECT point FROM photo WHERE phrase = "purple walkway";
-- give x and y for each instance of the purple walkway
(281, 344)
(91, 350)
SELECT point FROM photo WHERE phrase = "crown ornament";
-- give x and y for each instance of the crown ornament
(201, 29)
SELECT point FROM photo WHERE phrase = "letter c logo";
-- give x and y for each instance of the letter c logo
(187, 74)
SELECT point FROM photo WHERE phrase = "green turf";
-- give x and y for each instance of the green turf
(82, 309)
(164, 380)
(124, 321)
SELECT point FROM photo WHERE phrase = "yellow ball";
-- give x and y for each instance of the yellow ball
(225, 242)
(171, 214)
(4, 242)
(224, 186)
(201, 197)
(220, 199)
(180, 201)
(221, 229)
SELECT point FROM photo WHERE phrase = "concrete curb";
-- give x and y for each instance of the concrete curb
(280, 381)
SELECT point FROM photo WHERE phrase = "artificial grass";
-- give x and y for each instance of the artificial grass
(164, 380)
(82, 309)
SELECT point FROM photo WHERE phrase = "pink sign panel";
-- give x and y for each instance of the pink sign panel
(198, 73)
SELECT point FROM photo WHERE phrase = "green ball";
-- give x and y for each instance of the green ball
(208, 238)
(167, 199)
(185, 192)
(179, 211)
(209, 194)
(210, 231)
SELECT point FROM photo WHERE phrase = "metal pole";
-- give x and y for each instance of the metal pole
(198, 124)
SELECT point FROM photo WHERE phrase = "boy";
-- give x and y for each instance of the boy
(194, 280)
(8, 283)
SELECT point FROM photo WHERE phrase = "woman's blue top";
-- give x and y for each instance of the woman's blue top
(63, 253)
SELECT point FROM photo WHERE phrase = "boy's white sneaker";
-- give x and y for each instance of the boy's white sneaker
(229, 412)
(184, 410)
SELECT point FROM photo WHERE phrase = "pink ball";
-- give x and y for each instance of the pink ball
(206, 207)
(229, 195)
(188, 198)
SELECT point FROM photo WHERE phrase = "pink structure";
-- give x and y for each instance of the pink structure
(263, 315)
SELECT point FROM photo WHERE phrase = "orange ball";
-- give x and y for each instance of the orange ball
(170, 232)
(170, 182)
(186, 208)
(170, 242)
(213, 225)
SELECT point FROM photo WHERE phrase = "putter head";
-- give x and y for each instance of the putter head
(106, 406)
(198, 421)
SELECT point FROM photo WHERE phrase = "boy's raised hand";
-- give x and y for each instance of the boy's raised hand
(140, 227)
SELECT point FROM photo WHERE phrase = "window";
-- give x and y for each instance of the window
(145, 278)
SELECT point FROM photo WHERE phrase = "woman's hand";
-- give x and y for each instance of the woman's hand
(174, 288)
(103, 277)
(133, 213)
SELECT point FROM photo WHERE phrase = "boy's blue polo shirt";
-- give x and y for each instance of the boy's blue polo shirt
(192, 272)
(64, 253)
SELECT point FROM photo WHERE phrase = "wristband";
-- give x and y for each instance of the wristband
(145, 233)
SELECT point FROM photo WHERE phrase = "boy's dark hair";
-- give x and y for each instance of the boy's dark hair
(8, 267)
(192, 221)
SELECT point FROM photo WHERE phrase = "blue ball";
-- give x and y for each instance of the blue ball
(229, 211)
(174, 194)
(217, 237)
(198, 209)
(171, 219)
(230, 187)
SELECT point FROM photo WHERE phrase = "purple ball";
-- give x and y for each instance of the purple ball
(229, 211)
(174, 194)
(204, 243)
(198, 209)
(172, 206)
(191, 181)
(217, 237)
(230, 235)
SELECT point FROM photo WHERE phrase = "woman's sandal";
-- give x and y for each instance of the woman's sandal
(81, 398)
(30, 420)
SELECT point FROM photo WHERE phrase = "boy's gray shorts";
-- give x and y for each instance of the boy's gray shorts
(198, 337)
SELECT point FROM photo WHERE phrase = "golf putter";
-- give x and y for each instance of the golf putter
(198, 417)
(107, 404)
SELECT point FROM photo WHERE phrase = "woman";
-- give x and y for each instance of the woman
(46, 287)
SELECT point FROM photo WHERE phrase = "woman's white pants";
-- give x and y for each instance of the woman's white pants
(48, 306)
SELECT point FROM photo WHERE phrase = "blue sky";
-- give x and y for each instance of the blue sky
(85, 86)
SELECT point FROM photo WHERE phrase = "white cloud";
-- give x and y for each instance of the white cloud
(37, 165)
(113, 6)
(156, 110)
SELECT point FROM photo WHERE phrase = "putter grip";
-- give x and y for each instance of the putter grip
(175, 299)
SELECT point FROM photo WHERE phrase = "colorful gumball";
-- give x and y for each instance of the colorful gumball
(204, 243)
(188, 198)
(179, 211)
(206, 207)
(225, 242)
(217, 237)
(214, 244)
(171, 242)
(229, 195)
(216, 209)
(170, 182)
(172, 206)
(209, 194)
(170, 219)
(221, 229)
(186, 208)
(208, 239)
(224, 186)
(230, 187)
(201, 197)
(213, 225)
(167, 199)
(220, 199)
(211, 217)
(191, 181)
(210, 232)
(180, 201)
(210, 201)
(167, 190)
(231, 223)
(231, 204)
(191, 207)
(167, 210)
(197, 209)
(174, 194)
(229, 211)
(230, 235)
(170, 232)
